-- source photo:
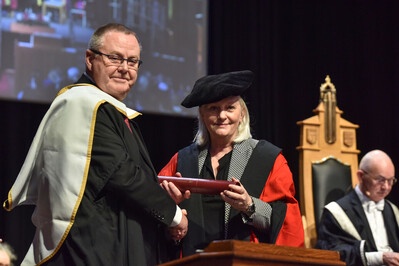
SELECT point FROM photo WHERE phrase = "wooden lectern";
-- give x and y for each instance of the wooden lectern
(242, 253)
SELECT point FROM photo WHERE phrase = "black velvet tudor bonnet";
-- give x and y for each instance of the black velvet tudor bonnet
(214, 88)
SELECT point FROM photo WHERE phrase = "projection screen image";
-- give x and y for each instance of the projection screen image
(43, 46)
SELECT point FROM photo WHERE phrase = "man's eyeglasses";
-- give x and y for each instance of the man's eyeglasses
(117, 60)
(381, 180)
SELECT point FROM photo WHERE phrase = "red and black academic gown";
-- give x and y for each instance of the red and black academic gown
(265, 174)
(96, 193)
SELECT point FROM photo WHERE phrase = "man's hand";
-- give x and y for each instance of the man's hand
(390, 258)
(174, 192)
(179, 231)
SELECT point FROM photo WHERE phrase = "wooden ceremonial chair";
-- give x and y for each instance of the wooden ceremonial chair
(328, 159)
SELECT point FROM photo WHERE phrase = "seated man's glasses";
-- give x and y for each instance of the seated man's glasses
(117, 60)
(381, 180)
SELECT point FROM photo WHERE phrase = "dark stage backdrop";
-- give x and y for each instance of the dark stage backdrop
(291, 46)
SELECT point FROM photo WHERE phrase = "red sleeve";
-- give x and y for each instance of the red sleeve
(170, 168)
(280, 186)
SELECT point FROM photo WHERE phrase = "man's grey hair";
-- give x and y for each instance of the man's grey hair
(96, 40)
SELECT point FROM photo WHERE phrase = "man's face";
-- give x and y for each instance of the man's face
(377, 184)
(111, 76)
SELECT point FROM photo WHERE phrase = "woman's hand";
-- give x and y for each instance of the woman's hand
(174, 192)
(237, 196)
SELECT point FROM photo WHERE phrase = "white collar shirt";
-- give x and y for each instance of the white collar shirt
(373, 211)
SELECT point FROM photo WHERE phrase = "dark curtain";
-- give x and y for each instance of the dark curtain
(291, 46)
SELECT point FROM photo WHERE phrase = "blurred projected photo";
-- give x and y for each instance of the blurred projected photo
(43, 43)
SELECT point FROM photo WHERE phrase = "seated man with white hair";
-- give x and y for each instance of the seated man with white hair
(363, 225)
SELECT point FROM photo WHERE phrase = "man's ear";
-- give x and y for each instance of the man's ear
(88, 59)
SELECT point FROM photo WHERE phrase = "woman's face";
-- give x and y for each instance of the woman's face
(222, 118)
